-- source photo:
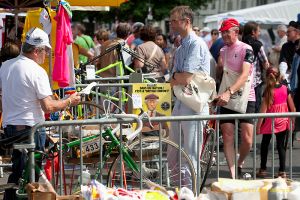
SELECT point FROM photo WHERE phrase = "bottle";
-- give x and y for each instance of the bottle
(294, 194)
(278, 191)
(86, 177)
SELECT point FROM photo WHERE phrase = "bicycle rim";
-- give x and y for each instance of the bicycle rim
(158, 171)
(90, 110)
(207, 154)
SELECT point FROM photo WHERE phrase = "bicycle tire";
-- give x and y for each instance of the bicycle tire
(150, 142)
(207, 154)
(91, 104)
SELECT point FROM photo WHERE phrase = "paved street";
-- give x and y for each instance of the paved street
(248, 166)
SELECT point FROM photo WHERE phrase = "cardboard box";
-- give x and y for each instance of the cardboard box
(69, 197)
(43, 196)
(38, 191)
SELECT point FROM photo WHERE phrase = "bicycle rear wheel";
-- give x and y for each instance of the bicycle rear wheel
(207, 154)
(152, 168)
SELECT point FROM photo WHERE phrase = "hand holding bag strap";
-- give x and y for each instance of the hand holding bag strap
(238, 102)
(198, 92)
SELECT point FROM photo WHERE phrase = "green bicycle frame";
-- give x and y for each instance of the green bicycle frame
(114, 144)
(119, 67)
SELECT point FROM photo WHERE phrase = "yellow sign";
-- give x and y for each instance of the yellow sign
(155, 100)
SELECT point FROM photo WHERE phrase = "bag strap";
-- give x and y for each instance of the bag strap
(225, 61)
(225, 68)
(153, 52)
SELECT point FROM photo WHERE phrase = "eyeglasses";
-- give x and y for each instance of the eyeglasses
(151, 100)
(44, 49)
(215, 33)
(196, 30)
(228, 31)
(172, 21)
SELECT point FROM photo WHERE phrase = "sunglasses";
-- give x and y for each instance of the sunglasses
(196, 30)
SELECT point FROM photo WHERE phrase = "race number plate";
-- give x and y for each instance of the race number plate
(91, 146)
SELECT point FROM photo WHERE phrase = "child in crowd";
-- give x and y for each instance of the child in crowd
(276, 99)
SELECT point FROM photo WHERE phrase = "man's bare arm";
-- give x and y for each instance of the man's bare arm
(50, 104)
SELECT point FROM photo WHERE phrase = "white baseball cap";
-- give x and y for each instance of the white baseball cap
(37, 37)
(206, 29)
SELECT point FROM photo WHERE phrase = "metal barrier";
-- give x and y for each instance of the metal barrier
(234, 117)
(220, 117)
(121, 119)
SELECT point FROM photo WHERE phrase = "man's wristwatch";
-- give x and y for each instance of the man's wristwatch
(230, 91)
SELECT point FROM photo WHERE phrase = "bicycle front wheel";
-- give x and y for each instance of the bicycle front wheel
(154, 169)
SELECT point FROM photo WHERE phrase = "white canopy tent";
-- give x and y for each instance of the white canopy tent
(275, 13)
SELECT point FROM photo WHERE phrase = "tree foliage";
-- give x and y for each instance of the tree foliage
(137, 10)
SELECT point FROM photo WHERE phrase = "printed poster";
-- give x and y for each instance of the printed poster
(155, 100)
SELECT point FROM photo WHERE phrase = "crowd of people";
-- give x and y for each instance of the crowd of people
(238, 54)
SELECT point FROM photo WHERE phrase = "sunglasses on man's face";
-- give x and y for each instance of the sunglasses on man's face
(197, 30)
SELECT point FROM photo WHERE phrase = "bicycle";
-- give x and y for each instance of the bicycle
(133, 169)
(206, 157)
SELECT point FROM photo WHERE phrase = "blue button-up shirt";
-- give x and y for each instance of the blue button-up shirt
(192, 55)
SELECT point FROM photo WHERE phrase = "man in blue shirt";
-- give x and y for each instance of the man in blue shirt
(192, 56)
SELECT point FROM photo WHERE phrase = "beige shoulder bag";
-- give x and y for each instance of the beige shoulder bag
(239, 100)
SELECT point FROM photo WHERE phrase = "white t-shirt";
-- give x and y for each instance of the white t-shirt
(23, 83)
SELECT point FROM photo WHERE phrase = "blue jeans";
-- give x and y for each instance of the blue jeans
(19, 158)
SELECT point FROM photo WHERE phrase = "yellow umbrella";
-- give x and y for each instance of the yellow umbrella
(114, 3)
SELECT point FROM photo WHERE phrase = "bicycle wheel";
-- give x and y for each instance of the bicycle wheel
(152, 166)
(207, 154)
(87, 110)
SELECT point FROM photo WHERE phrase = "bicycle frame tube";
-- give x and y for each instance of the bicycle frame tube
(116, 64)
(120, 67)
(121, 70)
(113, 145)
(108, 67)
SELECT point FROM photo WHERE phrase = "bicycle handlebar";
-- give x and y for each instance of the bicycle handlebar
(137, 119)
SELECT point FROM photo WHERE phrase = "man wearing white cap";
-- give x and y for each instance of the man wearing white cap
(275, 51)
(205, 34)
(26, 96)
